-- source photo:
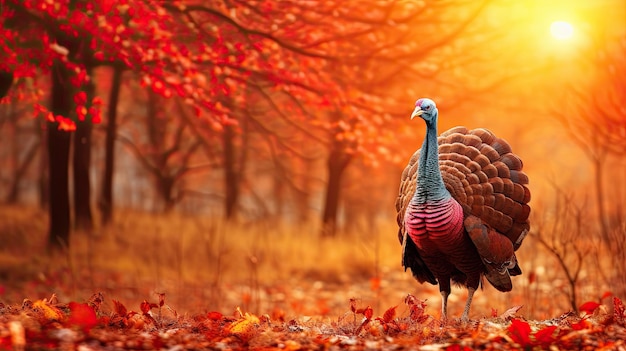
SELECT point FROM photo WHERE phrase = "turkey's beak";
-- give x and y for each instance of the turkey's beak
(417, 112)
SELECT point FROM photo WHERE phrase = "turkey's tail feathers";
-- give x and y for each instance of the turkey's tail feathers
(486, 178)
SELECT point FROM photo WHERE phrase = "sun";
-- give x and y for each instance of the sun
(561, 30)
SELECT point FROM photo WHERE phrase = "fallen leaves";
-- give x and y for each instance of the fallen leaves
(589, 307)
(82, 315)
(48, 323)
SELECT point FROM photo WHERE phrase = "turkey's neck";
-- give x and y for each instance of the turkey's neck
(430, 186)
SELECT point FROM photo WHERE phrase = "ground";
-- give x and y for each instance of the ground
(177, 283)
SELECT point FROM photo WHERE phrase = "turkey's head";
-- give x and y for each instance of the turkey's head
(426, 109)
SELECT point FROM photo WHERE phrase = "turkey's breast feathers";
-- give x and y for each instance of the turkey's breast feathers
(483, 175)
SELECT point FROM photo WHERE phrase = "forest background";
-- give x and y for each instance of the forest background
(248, 153)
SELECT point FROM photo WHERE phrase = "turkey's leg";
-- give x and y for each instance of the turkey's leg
(444, 289)
(444, 305)
(470, 295)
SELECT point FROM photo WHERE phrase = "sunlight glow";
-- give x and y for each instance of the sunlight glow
(561, 30)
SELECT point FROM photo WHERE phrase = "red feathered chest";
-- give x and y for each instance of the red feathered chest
(438, 224)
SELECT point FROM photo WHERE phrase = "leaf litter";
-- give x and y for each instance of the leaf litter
(51, 324)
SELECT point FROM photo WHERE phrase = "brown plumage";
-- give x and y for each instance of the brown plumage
(482, 174)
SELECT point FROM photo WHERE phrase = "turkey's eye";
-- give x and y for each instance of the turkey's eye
(428, 107)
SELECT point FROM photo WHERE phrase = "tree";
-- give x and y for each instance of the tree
(164, 147)
(21, 145)
(68, 40)
(6, 80)
(106, 198)
(58, 158)
(594, 117)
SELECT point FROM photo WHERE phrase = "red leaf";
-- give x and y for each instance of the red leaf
(147, 306)
(520, 332)
(82, 315)
(97, 101)
(119, 308)
(457, 347)
(80, 98)
(214, 316)
(580, 325)
(81, 112)
(367, 312)
(545, 337)
(390, 314)
(416, 306)
(589, 307)
(65, 124)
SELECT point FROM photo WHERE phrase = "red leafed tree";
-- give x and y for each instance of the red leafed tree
(67, 39)
(319, 70)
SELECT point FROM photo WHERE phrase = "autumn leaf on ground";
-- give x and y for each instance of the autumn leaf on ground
(215, 316)
(520, 332)
(95, 301)
(416, 308)
(510, 313)
(388, 320)
(82, 315)
(390, 314)
(48, 310)
(368, 312)
(546, 336)
(244, 328)
(119, 308)
(589, 307)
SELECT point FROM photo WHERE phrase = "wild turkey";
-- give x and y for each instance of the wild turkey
(462, 209)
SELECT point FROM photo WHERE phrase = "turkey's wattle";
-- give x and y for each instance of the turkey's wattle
(462, 209)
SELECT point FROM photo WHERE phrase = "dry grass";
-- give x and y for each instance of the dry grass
(197, 261)
(204, 264)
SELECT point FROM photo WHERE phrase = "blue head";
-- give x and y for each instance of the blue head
(426, 109)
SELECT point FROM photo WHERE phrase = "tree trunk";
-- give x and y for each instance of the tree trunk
(337, 163)
(6, 80)
(20, 172)
(231, 178)
(303, 190)
(44, 177)
(106, 201)
(58, 159)
(598, 164)
(166, 192)
(83, 219)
